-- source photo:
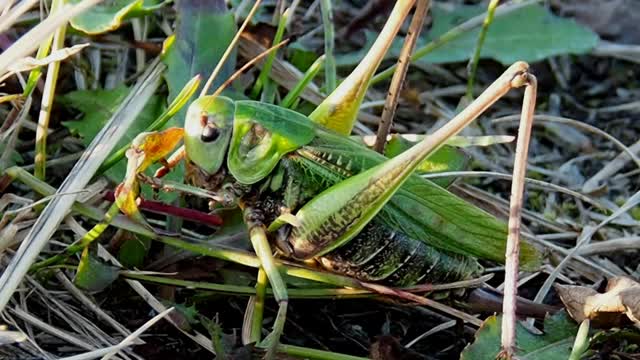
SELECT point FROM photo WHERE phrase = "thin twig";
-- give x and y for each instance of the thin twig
(391, 102)
(229, 49)
(248, 65)
(454, 33)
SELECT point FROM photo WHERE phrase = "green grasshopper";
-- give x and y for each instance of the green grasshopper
(315, 193)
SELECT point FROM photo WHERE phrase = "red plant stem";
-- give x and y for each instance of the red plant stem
(162, 208)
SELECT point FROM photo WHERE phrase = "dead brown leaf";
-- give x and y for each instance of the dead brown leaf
(619, 304)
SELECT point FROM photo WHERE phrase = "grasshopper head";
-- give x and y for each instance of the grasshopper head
(208, 127)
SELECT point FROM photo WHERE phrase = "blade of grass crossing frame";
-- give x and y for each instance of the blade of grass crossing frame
(453, 34)
(230, 48)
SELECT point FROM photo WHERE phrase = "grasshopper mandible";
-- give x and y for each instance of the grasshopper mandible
(304, 185)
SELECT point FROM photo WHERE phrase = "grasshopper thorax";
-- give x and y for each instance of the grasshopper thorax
(208, 128)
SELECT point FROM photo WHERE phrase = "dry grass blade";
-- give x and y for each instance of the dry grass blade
(610, 169)
(579, 124)
(77, 179)
(584, 239)
(612, 245)
(12, 15)
(230, 48)
(537, 183)
(157, 305)
(29, 63)
(30, 41)
(108, 352)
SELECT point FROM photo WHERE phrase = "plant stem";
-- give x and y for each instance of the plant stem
(311, 73)
(81, 244)
(229, 49)
(47, 97)
(263, 78)
(329, 44)
(257, 310)
(314, 293)
(472, 67)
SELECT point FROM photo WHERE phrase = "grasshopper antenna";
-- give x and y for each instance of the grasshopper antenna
(248, 65)
(227, 52)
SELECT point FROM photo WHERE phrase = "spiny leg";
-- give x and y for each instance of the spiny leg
(260, 243)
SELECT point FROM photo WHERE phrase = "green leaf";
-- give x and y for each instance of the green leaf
(98, 106)
(531, 33)
(109, 15)
(204, 30)
(93, 274)
(133, 251)
(555, 344)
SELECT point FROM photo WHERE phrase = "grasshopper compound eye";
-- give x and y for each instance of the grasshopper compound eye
(210, 130)
(210, 133)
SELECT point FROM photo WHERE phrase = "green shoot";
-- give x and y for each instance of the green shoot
(263, 78)
(309, 75)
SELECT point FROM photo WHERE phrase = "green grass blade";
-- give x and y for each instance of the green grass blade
(329, 44)
(263, 77)
(309, 75)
